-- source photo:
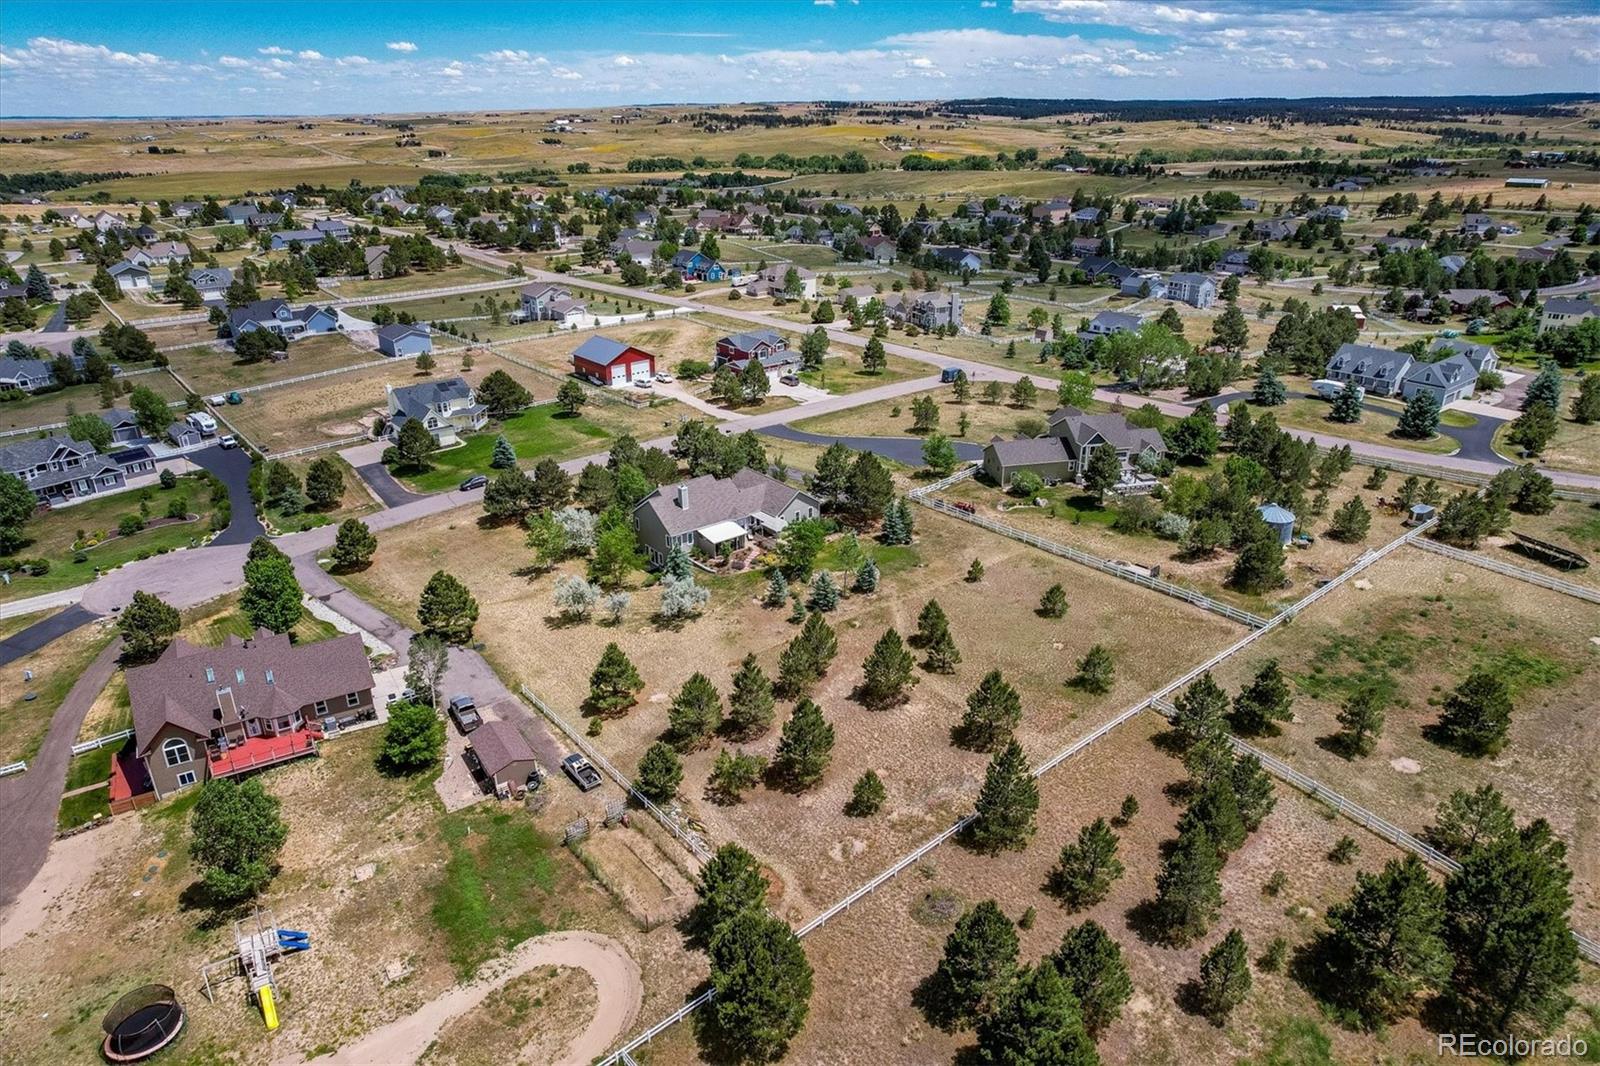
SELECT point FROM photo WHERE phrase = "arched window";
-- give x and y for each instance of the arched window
(176, 751)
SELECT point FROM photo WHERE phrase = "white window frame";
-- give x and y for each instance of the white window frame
(171, 748)
(190, 774)
(352, 699)
(321, 707)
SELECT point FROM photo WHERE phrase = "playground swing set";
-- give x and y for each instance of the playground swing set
(257, 947)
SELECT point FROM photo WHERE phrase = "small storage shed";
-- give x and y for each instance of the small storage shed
(504, 756)
(404, 339)
(1281, 519)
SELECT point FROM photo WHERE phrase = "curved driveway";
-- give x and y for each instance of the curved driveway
(232, 468)
(1475, 442)
(907, 450)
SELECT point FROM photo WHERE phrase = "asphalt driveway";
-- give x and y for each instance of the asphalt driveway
(232, 468)
(1474, 441)
(42, 632)
(390, 491)
(906, 450)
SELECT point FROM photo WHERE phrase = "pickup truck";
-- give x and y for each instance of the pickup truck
(464, 712)
(582, 772)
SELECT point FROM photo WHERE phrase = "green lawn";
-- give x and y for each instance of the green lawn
(1312, 415)
(53, 534)
(214, 631)
(82, 808)
(843, 373)
(497, 886)
(534, 433)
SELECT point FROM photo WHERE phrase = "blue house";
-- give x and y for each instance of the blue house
(698, 266)
(397, 340)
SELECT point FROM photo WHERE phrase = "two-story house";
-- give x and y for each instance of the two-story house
(1380, 371)
(1197, 290)
(202, 712)
(1561, 311)
(695, 265)
(544, 302)
(1063, 453)
(714, 514)
(446, 409)
(57, 469)
(769, 346)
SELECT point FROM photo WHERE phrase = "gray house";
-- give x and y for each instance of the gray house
(124, 426)
(211, 281)
(26, 375)
(1197, 290)
(710, 513)
(1483, 357)
(1072, 439)
(1380, 371)
(277, 316)
(446, 408)
(1044, 456)
(397, 339)
(1449, 380)
(1105, 323)
(1561, 311)
(59, 469)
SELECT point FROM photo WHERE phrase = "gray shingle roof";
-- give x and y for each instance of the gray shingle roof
(713, 499)
(499, 744)
(396, 330)
(1567, 305)
(1369, 361)
(1445, 373)
(25, 454)
(745, 342)
(415, 401)
(1026, 451)
(1080, 428)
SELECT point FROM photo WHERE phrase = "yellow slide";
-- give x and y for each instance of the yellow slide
(269, 1009)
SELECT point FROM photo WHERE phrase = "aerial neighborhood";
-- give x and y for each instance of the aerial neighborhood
(993, 578)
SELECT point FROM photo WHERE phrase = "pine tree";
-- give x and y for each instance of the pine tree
(1383, 948)
(1053, 604)
(677, 565)
(446, 609)
(762, 982)
(1040, 1022)
(504, 456)
(1506, 924)
(1224, 977)
(805, 747)
(975, 973)
(614, 683)
(867, 797)
(730, 884)
(1086, 869)
(750, 703)
(1200, 711)
(777, 589)
(993, 711)
(1252, 791)
(1477, 715)
(1269, 390)
(1188, 892)
(1361, 717)
(1545, 389)
(886, 672)
(1090, 962)
(866, 577)
(942, 654)
(1468, 819)
(820, 641)
(932, 623)
(1007, 803)
(797, 667)
(892, 531)
(695, 713)
(824, 592)
(1346, 405)
(1263, 703)
(975, 572)
(1258, 567)
(1351, 521)
(1420, 419)
(660, 773)
(1095, 671)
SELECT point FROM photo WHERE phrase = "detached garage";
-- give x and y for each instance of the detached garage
(608, 362)
(500, 755)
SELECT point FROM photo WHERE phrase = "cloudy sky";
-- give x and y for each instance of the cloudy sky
(88, 58)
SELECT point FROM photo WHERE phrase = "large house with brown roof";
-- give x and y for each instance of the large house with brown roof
(1063, 453)
(201, 712)
(710, 513)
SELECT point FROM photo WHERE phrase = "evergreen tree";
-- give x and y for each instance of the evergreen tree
(1477, 715)
(867, 797)
(777, 589)
(866, 577)
(1224, 977)
(695, 713)
(1346, 405)
(932, 623)
(324, 484)
(1506, 924)
(886, 672)
(1200, 711)
(1188, 892)
(1420, 419)
(1252, 791)
(353, 546)
(677, 565)
(820, 642)
(942, 654)
(1263, 703)
(614, 683)
(1053, 604)
(446, 609)
(1095, 671)
(660, 773)
(750, 703)
(1007, 803)
(1258, 567)
(1383, 948)
(1090, 962)
(1086, 870)
(1586, 404)
(1361, 718)
(1269, 390)
(762, 983)
(730, 884)
(413, 739)
(980, 960)
(975, 572)
(732, 774)
(1351, 521)
(824, 592)
(993, 712)
(805, 746)
(797, 666)
(504, 456)
(1040, 1022)
(1545, 389)
(147, 625)
(1469, 819)
(1216, 808)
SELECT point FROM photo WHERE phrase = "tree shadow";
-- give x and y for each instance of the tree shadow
(213, 913)
(932, 997)
(1339, 744)
(1143, 920)
(562, 620)
(1188, 999)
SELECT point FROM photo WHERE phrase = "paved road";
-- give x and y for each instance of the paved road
(383, 484)
(28, 801)
(1474, 442)
(907, 450)
(232, 467)
(58, 320)
(42, 632)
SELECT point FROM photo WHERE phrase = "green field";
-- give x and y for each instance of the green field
(534, 433)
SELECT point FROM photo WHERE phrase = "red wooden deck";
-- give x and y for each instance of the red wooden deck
(258, 752)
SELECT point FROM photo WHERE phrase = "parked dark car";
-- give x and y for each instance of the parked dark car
(464, 712)
(476, 481)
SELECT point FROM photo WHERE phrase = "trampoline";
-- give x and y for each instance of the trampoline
(141, 1023)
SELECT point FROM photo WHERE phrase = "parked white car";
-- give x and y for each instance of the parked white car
(1328, 389)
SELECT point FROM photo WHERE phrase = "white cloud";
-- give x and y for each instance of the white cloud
(1586, 55)
(565, 74)
(624, 61)
(310, 55)
(401, 46)
(353, 61)
(234, 61)
(452, 72)
(1520, 60)
(274, 50)
(989, 3)
(822, 3)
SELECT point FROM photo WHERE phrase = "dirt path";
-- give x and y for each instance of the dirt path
(61, 883)
(608, 964)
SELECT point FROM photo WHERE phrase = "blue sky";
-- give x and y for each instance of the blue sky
(87, 58)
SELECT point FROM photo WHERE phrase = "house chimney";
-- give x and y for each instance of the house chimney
(683, 496)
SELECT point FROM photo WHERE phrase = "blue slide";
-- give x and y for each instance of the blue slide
(294, 940)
